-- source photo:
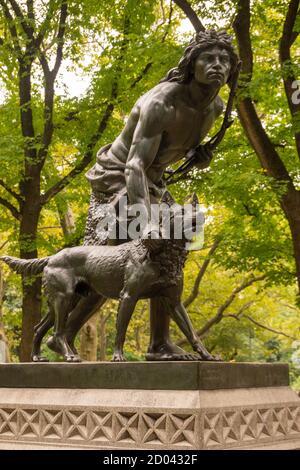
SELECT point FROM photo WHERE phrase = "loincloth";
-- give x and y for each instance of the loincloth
(107, 180)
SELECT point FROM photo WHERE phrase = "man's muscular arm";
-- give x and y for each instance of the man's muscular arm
(204, 155)
(153, 119)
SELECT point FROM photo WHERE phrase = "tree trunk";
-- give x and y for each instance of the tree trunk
(291, 206)
(30, 208)
(4, 351)
(102, 336)
(66, 221)
(259, 139)
(32, 286)
(267, 154)
(89, 340)
(31, 314)
(24, 42)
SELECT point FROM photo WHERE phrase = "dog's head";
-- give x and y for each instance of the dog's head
(180, 222)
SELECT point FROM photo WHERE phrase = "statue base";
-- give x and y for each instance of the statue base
(154, 406)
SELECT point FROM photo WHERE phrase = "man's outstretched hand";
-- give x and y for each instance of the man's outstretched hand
(202, 156)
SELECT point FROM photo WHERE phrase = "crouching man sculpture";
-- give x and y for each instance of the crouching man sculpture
(165, 125)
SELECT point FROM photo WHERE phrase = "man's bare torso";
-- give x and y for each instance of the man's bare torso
(182, 124)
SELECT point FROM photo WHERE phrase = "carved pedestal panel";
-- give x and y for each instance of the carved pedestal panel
(159, 406)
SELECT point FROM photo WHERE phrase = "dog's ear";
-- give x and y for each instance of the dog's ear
(167, 198)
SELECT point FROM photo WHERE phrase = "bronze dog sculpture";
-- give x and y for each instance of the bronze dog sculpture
(138, 269)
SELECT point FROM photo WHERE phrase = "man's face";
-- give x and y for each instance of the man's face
(212, 66)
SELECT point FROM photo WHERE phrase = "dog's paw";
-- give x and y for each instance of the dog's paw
(118, 357)
(38, 358)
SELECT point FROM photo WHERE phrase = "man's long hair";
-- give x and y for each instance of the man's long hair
(203, 40)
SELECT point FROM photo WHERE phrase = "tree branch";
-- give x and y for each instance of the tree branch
(28, 30)
(260, 325)
(220, 313)
(260, 141)
(50, 76)
(257, 136)
(17, 9)
(287, 39)
(86, 160)
(169, 23)
(30, 10)
(252, 125)
(269, 328)
(150, 64)
(45, 65)
(10, 191)
(3, 245)
(269, 158)
(43, 27)
(12, 209)
(218, 317)
(241, 310)
(195, 290)
(61, 36)
(12, 28)
(191, 14)
(60, 185)
(80, 167)
(73, 115)
(241, 26)
(292, 307)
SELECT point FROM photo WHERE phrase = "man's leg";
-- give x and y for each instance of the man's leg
(161, 348)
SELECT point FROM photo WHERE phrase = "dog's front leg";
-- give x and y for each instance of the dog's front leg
(126, 308)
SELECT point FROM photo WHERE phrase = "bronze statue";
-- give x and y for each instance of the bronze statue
(138, 269)
(166, 124)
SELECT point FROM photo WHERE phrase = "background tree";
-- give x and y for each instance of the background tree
(240, 288)
(4, 351)
(274, 28)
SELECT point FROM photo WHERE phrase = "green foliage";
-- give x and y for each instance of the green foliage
(131, 45)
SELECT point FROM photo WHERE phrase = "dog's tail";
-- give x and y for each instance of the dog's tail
(23, 266)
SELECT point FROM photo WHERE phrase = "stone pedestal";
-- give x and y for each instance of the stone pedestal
(157, 406)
